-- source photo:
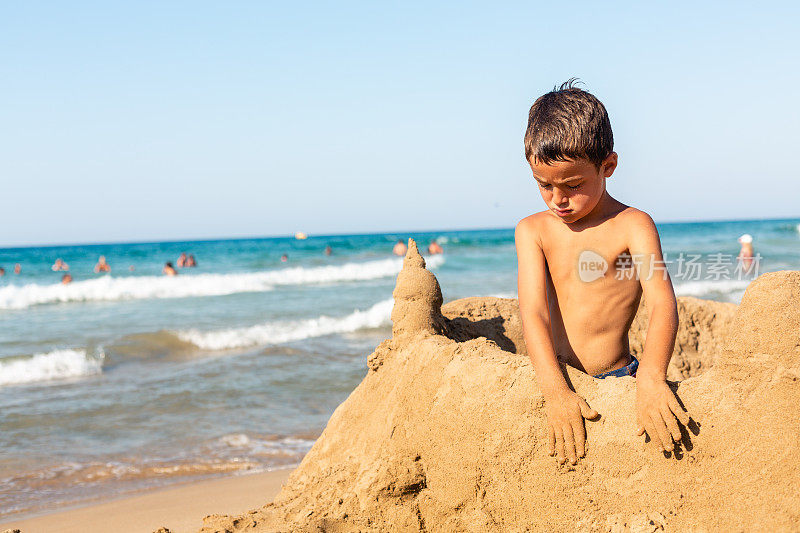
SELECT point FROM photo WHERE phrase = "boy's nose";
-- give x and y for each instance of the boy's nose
(558, 197)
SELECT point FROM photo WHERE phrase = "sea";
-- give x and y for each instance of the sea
(123, 381)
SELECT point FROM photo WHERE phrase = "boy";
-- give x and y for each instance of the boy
(583, 267)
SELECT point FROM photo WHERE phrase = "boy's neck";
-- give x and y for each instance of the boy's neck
(606, 208)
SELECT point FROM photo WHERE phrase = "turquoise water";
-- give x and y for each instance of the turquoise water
(131, 379)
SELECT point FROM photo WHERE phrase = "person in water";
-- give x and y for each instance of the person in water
(181, 262)
(575, 306)
(190, 261)
(101, 265)
(59, 265)
(284, 258)
(17, 268)
(746, 254)
(328, 250)
(169, 270)
(434, 248)
(66, 279)
(400, 248)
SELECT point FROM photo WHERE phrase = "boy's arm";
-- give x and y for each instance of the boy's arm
(656, 405)
(565, 409)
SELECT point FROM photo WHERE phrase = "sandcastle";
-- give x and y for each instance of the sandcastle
(446, 430)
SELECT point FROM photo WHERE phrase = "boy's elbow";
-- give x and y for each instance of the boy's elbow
(534, 315)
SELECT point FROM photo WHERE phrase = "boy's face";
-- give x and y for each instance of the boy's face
(571, 189)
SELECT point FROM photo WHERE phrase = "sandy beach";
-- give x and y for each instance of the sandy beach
(443, 434)
(180, 508)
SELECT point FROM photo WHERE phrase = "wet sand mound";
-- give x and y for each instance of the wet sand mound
(446, 431)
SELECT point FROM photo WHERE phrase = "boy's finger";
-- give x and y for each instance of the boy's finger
(586, 411)
(663, 434)
(651, 432)
(569, 444)
(639, 426)
(679, 411)
(672, 424)
(580, 438)
(551, 438)
(560, 446)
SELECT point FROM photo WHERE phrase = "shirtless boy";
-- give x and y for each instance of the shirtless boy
(584, 264)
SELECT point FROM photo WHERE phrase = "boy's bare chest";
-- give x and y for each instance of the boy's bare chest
(587, 256)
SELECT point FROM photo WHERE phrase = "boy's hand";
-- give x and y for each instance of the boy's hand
(565, 413)
(657, 410)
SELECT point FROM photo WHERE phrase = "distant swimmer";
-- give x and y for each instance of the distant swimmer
(131, 268)
(328, 250)
(190, 261)
(181, 262)
(66, 279)
(434, 248)
(2, 271)
(746, 254)
(169, 270)
(400, 248)
(284, 258)
(101, 265)
(17, 268)
(59, 266)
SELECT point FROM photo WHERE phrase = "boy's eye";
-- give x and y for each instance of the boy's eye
(573, 187)
(545, 185)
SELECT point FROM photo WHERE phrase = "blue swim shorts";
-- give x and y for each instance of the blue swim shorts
(629, 370)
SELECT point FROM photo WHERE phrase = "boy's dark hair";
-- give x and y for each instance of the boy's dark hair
(568, 123)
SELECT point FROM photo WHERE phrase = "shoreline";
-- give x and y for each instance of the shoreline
(181, 508)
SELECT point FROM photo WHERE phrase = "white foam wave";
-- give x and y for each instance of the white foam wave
(507, 295)
(287, 331)
(108, 288)
(58, 364)
(733, 288)
(261, 446)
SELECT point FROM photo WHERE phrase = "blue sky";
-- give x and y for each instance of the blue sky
(177, 120)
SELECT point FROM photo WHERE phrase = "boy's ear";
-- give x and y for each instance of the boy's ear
(609, 164)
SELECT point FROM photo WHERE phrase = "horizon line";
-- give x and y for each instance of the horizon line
(336, 234)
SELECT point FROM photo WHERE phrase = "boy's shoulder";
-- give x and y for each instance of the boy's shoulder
(534, 219)
(632, 215)
(636, 219)
(533, 225)
(631, 223)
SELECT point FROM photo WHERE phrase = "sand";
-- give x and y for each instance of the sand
(446, 430)
(182, 507)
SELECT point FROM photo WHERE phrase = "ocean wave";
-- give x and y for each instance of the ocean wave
(732, 288)
(71, 482)
(505, 295)
(287, 331)
(58, 364)
(108, 288)
(262, 446)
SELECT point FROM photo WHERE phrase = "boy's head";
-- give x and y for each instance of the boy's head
(570, 147)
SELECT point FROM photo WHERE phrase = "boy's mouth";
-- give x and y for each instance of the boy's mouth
(563, 212)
